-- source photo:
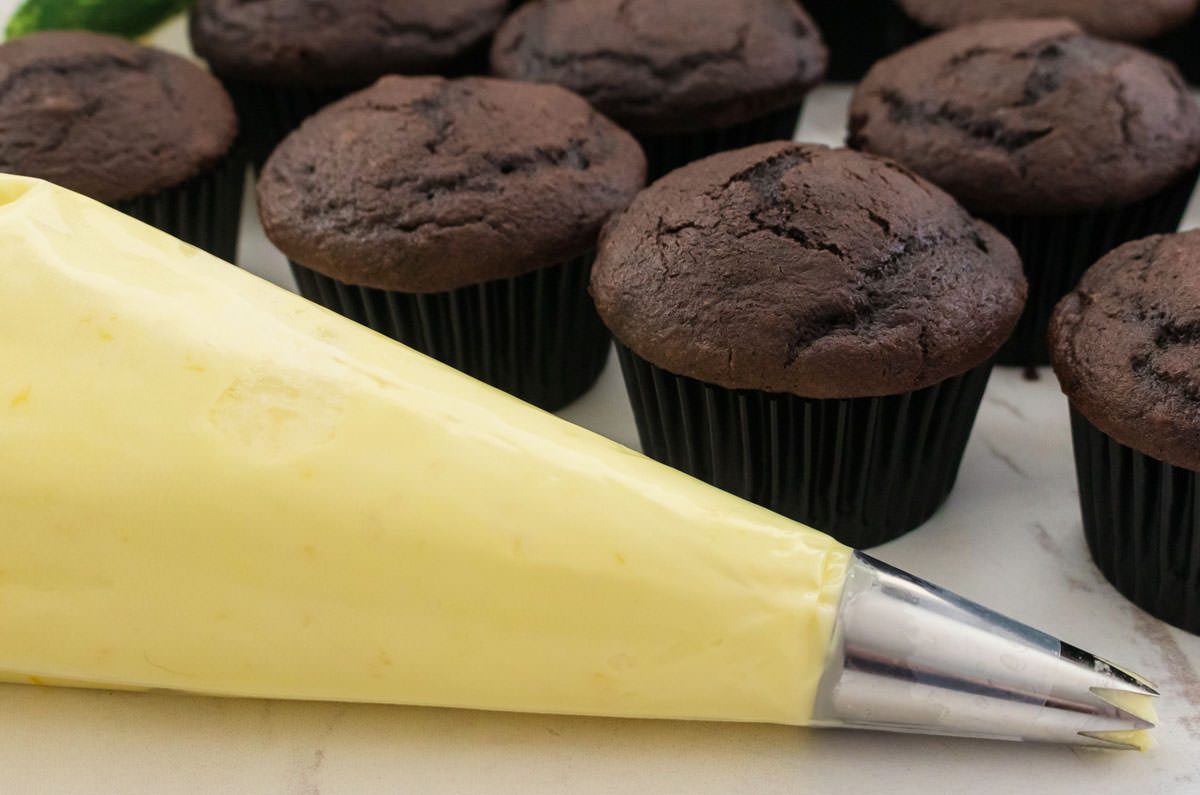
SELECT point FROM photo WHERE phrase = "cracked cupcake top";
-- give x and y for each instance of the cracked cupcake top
(796, 268)
(422, 184)
(106, 117)
(1126, 20)
(660, 66)
(1030, 117)
(1126, 347)
(340, 43)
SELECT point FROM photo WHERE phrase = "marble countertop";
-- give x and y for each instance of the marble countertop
(1009, 537)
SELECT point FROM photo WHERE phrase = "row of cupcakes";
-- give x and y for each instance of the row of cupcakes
(461, 214)
(812, 329)
(687, 77)
(1011, 123)
(281, 60)
(150, 133)
(1068, 143)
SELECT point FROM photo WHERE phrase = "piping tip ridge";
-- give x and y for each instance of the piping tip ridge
(1138, 683)
(909, 656)
(1135, 708)
(1100, 741)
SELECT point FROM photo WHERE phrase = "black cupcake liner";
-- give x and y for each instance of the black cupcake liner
(864, 470)
(205, 211)
(536, 336)
(1057, 249)
(267, 113)
(665, 153)
(1141, 518)
(1182, 46)
(860, 32)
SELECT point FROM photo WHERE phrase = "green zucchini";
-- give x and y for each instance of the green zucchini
(130, 18)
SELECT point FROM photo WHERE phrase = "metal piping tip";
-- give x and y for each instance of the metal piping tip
(908, 656)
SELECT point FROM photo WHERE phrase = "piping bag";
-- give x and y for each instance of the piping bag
(210, 485)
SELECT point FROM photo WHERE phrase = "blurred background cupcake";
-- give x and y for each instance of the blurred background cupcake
(810, 329)
(459, 217)
(1126, 347)
(687, 77)
(1121, 20)
(134, 127)
(1069, 144)
(282, 60)
(1170, 28)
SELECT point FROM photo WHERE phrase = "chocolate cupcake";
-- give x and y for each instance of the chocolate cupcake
(1069, 144)
(282, 60)
(1126, 346)
(134, 127)
(1121, 20)
(687, 77)
(808, 328)
(459, 217)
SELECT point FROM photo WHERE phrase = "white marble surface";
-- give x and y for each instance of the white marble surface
(1009, 537)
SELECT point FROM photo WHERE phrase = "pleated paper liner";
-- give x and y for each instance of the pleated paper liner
(864, 470)
(535, 336)
(1141, 518)
(665, 153)
(1057, 249)
(267, 113)
(860, 32)
(205, 211)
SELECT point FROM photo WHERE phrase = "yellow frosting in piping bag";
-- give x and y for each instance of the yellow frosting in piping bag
(211, 485)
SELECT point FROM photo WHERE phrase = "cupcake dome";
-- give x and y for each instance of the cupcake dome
(1030, 116)
(460, 218)
(810, 329)
(347, 43)
(1113, 19)
(819, 272)
(1126, 347)
(1069, 144)
(106, 117)
(662, 66)
(427, 184)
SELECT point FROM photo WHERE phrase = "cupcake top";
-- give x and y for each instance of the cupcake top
(1030, 117)
(343, 43)
(796, 268)
(424, 184)
(1126, 20)
(661, 66)
(108, 118)
(1126, 347)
